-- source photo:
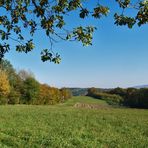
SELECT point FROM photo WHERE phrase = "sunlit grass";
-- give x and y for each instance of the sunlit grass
(66, 126)
(84, 99)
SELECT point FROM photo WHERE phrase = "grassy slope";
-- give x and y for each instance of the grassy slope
(84, 99)
(65, 126)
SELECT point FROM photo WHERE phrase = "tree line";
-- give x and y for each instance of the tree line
(22, 88)
(131, 97)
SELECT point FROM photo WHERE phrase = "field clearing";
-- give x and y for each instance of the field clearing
(65, 126)
(83, 99)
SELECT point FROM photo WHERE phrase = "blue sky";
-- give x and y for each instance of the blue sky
(118, 56)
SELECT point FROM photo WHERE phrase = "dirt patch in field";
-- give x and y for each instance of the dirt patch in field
(90, 106)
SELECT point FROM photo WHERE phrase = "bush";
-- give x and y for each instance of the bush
(114, 99)
(14, 97)
(111, 99)
(3, 101)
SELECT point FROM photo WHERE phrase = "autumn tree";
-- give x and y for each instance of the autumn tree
(45, 96)
(65, 94)
(22, 87)
(4, 87)
(14, 80)
(6, 66)
(55, 95)
(49, 16)
(91, 91)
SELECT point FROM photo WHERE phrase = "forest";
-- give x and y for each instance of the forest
(130, 97)
(22, 88)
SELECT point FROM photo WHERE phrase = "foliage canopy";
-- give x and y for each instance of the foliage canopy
(49, 15)
(22, 87)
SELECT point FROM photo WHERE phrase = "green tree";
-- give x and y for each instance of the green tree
(6, 66)
(30, 90)
(49, 15)
(92, 91)
(118, 91)
(143, 98)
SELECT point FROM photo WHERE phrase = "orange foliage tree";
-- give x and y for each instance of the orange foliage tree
(65, 94)
(48, 95)
(52, 95)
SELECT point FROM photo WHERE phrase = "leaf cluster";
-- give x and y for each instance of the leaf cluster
(49, 16)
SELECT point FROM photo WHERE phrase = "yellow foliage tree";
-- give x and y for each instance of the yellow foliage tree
(4, 86)
(48, 95)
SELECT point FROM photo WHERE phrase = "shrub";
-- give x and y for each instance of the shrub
(14, 97)
(3, 100)
(111, 99)
(114, 99)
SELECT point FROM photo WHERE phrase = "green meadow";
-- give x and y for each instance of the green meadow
(67, 126)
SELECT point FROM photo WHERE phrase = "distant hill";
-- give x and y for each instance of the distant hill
(141, 86)
(79, 91)
(83, 91)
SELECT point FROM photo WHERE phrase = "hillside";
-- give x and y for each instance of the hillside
(83, 100)
(64, 125)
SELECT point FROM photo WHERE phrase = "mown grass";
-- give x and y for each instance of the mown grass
(62, 126)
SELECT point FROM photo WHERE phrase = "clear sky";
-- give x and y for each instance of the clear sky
(118, 56)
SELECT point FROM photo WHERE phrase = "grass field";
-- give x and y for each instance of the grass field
(66, 126)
